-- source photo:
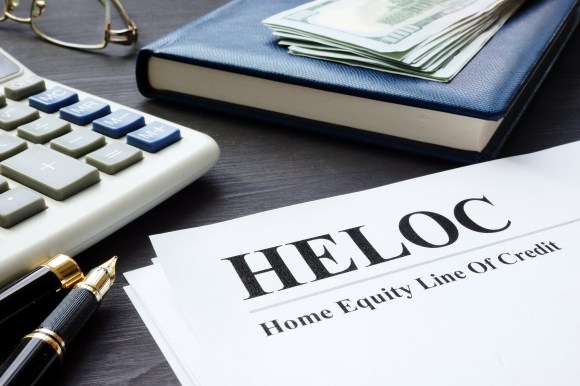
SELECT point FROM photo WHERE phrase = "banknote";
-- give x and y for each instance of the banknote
(431, 39)
(380, 25)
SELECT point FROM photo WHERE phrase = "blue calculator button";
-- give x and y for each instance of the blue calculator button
(52, 100)
(154, 137)
(118, 124)
(84, 112)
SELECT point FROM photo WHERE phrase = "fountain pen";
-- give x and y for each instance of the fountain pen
(42, 351)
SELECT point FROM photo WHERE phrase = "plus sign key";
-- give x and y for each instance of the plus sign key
(49, 172)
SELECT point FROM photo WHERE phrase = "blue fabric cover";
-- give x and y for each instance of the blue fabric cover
(232, 38)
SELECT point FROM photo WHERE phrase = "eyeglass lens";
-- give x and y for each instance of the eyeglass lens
(21, 8)
(80, 22)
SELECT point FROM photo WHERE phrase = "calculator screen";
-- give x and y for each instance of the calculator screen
(7, 67)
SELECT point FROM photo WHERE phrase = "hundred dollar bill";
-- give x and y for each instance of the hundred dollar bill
(431, 39)
(444, 74)
(461, 34)
(379, 25)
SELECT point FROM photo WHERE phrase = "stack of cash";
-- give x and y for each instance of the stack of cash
(429, 39)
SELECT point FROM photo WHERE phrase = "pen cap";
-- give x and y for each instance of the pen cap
(66, 269)
(61, 272)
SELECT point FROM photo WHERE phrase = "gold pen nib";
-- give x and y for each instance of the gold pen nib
(110, 266)
(100, 279)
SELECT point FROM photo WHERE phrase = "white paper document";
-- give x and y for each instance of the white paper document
(466, 277)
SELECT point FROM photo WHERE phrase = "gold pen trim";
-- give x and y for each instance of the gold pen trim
(51, 338)
(66, 269)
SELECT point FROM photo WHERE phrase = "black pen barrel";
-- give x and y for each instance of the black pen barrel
(72, 314)
(37, 354)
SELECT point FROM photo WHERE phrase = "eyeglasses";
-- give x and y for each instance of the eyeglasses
(89, 29)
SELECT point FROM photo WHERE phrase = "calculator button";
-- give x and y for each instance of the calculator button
(49, 172)
(10, 145)
(7, 66)
(78, 142)
(154, 137)
(19, 204)
(23, 88)
(13, 116)
(50, 101)
(118, 124)
(2, 100)
(114, 157)
(44, 129)
(84, 112)
(3, 185)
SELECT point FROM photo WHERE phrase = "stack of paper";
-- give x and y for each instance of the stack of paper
(467, 277)
(430, 39)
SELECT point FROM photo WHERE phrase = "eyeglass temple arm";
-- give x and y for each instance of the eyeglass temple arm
(125, 36)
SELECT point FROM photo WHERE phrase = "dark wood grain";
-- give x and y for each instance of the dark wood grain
(262, 167)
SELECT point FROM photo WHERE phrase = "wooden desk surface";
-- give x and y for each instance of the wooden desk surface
(262, 167)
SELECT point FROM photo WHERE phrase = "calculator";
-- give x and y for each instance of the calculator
(75, 167)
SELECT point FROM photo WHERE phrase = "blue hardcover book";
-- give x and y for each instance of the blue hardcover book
(229, 61)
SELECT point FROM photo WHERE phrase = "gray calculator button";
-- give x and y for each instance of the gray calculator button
(78, 142)
(10, 145)
(49, 172)
(3, 185)
(15, 115)
(23, 88)
(7, 66)
(114, 157)
(44, 129)
(19, 204)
